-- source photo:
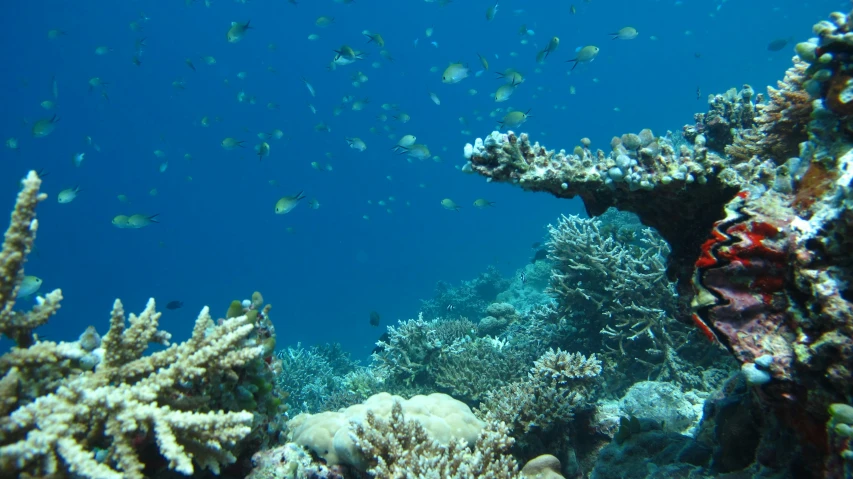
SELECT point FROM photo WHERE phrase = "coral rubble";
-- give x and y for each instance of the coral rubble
(756, 200)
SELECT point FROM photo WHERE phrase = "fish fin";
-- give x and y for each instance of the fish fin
(151, 218)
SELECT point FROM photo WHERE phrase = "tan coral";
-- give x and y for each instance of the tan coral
(57, 415)
(54, 433)
(401, 447)
(780, 124)
(17, 244)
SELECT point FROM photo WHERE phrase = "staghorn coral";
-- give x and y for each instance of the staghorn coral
(405, 356)
(17, 244)
(401, 447)
(619, 289)
(313, 376)
(89, 423)
(484, 364)
(556, 386)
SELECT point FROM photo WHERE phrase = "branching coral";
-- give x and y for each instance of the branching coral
(556, 386)
(400, 447)
(86, 423)
(620, 289)
(412, 344)
(312, 376)
(484, 364)
(17, 244)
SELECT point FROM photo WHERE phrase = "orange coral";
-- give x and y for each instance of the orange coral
(814, 184)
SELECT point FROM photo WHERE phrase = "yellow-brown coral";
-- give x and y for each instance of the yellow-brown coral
(61, 419)
(781, 123)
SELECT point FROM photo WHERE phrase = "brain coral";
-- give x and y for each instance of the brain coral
(328, 433)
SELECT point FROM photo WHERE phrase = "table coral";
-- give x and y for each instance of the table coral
(89, 423)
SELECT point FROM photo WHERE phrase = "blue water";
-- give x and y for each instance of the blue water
(218, 238)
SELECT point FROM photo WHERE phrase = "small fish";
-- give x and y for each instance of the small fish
(78, 158)
(44, 127)
(450, 307)
(777, 44)
(174, 304)
(434, 98)
(523, 278)
(309, 87)
(552, 46)
(698, 93)
(286, 203)
(483, 62)
(514, 119)
(585, 54)
(449, 204)
(504, 92)
(454, 73)
(263, 150)
(29, 286)
(626, 33)
(491, 12)
(230, 143)
(120, 221)
(67, 195)
(375, 38)
(483, 203)
(356, 144)
(141, 221)
(374, 318)
(236, 32)
(323, 22)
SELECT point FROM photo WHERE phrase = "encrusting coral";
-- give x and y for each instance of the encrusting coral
(63, 419)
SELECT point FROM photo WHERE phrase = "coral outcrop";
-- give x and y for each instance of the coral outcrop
(87, 408)
(757, 205)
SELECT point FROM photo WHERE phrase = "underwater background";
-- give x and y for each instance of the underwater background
(324, 270)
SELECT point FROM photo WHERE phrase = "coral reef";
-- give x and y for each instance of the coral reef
(289, 461)
(400, 447)
(665, 403)
(619, 289)
(328, 434)
(763, 195)
(557, 385)
(312, 377)
(469, 299)
(88, 408)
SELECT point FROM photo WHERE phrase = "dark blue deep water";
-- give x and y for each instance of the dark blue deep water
(324, 270)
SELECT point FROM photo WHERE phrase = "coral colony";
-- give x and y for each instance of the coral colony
(705, 328)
